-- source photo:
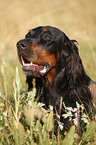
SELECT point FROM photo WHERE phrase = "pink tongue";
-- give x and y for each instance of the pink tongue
(34, 67)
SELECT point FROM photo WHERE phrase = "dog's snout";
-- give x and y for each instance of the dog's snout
(22, 44)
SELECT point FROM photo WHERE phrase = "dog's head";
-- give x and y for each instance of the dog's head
(45, 51)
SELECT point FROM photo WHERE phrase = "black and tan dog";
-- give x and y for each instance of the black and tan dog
(50, 57)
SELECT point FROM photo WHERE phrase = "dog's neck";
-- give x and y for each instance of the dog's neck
(48, 80)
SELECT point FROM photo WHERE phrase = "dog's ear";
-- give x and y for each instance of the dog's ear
(70, 57)
(69, 47)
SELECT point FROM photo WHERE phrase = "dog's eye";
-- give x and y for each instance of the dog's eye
(46, 37)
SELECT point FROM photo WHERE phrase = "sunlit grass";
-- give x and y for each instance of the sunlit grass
(24, 121)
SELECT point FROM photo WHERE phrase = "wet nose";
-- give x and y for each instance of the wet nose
(22, 44)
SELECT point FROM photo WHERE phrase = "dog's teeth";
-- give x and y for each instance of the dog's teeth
(44, 70)
(27, 64)
(31, 63)
(23, 63)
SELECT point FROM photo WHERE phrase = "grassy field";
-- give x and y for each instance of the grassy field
(77, 18)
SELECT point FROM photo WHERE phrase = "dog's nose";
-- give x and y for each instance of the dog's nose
(22, 44)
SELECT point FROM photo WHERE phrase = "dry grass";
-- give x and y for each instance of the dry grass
(77, 18)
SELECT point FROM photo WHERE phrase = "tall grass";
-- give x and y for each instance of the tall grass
(24, 121)
(19, 125)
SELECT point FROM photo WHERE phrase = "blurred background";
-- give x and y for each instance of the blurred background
(77, 18)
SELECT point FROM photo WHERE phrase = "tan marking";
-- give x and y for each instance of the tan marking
(58, 56)
(49, 78)
(42, 56)
(45, 30)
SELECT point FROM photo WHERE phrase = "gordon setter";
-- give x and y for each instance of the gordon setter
(50, 57)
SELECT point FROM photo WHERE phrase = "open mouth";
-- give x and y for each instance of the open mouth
(29, 68)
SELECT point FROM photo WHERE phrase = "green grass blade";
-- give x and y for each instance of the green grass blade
(69, 138)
